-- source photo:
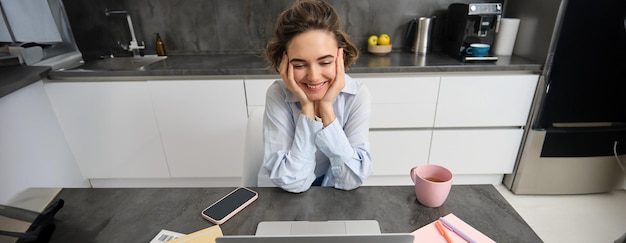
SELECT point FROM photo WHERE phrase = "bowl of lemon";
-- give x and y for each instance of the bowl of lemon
(379, 44)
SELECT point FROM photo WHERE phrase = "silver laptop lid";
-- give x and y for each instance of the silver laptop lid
(377, 238)
(332, 227)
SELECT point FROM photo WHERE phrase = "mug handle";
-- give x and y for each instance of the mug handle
(412, 174)
(468, 50)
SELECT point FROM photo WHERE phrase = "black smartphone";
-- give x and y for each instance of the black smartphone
(229, 205)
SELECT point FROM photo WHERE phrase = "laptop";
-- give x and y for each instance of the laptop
(334, 231)
(374, 238)
(331, 227)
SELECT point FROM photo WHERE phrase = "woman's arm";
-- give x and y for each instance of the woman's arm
(347, 146)
(289, 136)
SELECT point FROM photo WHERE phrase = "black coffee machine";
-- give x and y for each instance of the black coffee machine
(471, 23)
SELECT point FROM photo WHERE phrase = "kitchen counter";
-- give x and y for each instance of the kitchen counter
(243, 65)
(246, 65)
(138, 214)
(17, 77)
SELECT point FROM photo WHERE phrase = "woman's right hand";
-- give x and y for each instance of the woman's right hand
(286, 73)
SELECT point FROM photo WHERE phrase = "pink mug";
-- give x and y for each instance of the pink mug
(432, 184)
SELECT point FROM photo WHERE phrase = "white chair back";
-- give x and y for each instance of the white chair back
(253, 152)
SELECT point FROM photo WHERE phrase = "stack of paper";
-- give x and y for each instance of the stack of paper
(430, 233)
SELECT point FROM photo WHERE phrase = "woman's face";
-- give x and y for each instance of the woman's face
(313, 54)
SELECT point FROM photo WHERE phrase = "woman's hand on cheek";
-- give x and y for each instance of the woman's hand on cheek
(325, 107)
(339, 83)
(286, 72)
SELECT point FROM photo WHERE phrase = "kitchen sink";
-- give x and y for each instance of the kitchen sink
(121, 63)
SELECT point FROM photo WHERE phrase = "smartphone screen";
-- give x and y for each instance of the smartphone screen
(229, 205)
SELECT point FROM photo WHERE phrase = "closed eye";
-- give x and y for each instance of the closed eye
(299, 66)
(323, 61)
(326, 60)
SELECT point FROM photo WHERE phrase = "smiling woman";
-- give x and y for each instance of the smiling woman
(309, 60)
(316, 118)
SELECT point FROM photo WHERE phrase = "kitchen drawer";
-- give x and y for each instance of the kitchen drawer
(476, 151)
(485, 101)
(402, 102)
(396, 152)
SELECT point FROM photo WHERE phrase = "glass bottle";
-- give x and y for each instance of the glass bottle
(160, 46)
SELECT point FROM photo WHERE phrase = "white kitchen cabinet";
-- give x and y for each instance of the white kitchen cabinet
(403, 110)
(479, 123)
(256, 90)
(402, 101)
(110, 127)
(472, 124)
(399, 101)
(202, 125)
(195, 129)
(396, 152)
(485, 100)
(476, 151)
(33, 149)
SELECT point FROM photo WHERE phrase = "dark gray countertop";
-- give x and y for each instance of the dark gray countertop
(17, 77)
(250, 64)
(138, 214)
(244, 65)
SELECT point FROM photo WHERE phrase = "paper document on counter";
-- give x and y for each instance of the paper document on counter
(207, 235)
(165, 236)
(430, 233)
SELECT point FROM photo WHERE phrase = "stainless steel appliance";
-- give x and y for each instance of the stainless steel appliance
(471, 23)
(419, 34)
(577, 134)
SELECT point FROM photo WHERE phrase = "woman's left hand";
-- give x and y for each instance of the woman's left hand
(340, 81)
(325, 107)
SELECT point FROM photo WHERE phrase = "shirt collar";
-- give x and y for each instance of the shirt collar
(350, 88)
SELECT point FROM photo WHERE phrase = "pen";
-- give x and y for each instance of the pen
(456, 230)
(442, 231)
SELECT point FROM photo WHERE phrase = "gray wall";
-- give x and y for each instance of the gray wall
(232, 26)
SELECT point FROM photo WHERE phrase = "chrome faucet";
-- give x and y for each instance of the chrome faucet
(134, 46)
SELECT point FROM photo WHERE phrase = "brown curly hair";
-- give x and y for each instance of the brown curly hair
(303, 16)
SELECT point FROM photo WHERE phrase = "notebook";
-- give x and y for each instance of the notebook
(429, 232)
(332, 227)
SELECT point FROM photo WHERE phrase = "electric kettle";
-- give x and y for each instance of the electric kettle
(419, 34)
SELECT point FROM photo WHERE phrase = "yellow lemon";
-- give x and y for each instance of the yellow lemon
(372, 40)
(384, 39)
